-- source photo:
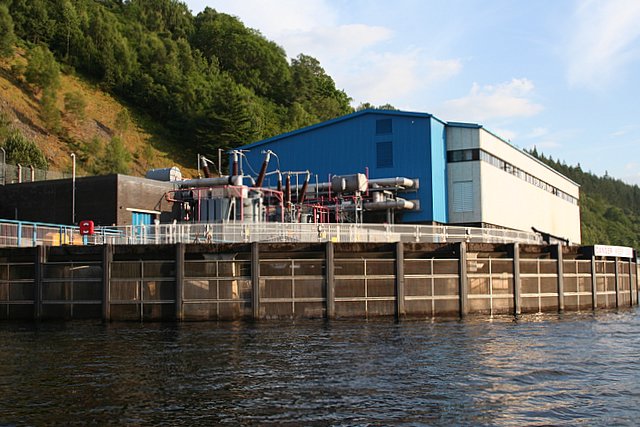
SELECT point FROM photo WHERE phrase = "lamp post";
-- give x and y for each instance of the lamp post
(73, 189)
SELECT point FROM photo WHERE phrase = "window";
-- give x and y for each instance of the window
(463, 196)
(456, 156)
(384, 154)
(383, 127)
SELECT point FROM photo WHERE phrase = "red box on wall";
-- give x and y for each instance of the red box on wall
(86, 228)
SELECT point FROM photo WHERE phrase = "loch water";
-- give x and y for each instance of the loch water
(579, 368)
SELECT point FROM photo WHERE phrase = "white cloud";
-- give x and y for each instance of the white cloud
(625, 130)
(272, 16)
(311, 27)
(381, 77)
(537, 132)
(337, 42)
(508, 99)
(507, 134)
(546, 144)
(604, 41)
(358, 57)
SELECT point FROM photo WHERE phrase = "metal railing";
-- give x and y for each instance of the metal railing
(20, 233)
(25, 233)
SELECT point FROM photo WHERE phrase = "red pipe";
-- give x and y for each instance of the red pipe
(287, 191)
(303, 192)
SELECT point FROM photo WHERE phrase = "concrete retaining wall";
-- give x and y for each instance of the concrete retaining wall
(333, 280)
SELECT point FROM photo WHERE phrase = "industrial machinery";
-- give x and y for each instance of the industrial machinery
(350, 198)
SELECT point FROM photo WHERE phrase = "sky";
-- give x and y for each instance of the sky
(560, 75)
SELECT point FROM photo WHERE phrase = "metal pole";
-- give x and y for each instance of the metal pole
(4, 166)
(73, 187)
(399, 282)
(463, 279)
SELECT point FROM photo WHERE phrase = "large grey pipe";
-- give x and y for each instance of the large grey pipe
(208, 182)
(380, 182)
(394, 182)
(396, 204)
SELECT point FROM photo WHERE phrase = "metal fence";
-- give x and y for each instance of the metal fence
(20, 233)
(12, 174)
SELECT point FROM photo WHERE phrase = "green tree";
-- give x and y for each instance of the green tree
(21, 150)
(69, 24)
(251, 59)
(49, 110)
(42, 70)
(116, 157)
(7, 36)
(123, 120)
(32, 19)
(75, 104)
(316, 91)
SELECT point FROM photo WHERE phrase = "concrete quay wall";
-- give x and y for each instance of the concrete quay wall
(202, 282)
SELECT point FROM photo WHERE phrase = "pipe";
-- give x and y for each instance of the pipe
(395, 182)
(205, 168)
(407, 183)
(397, 204)
(263, 170)
(234, 170)
(209, 182)
(303, 192)
(287, 191)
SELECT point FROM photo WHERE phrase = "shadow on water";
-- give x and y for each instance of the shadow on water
(535, 370)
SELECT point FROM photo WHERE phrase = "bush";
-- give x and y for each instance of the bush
(21, 150)
(116, 157)
(42, 71)
(49, 111)
(7, 37)
(75, 104)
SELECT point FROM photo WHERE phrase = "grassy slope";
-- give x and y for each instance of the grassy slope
(21, 105)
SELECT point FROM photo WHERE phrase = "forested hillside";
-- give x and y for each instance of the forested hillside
(209, 80)
(609, 208)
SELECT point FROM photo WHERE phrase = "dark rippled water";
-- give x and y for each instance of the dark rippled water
(547, 370)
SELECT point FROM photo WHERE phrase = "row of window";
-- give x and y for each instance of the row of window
(478, 154)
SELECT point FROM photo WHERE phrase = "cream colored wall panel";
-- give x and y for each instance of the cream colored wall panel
(510, 202)
(517, 158)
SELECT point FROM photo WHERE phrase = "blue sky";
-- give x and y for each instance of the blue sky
(560, 75)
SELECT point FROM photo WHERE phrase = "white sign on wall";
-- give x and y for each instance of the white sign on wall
(617, 251)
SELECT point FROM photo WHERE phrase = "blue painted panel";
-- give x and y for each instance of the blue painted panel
(140, 218)
(439, 172)
(349, 145)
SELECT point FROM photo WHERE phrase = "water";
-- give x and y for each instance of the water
(540, 370)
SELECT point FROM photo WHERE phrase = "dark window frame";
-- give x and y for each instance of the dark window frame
(384, 127)
(384, 154)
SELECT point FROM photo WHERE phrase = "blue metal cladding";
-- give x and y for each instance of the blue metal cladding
(439, 171)
(350, 144)
(140, 218)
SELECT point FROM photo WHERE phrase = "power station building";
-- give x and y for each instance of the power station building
(467, 175)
